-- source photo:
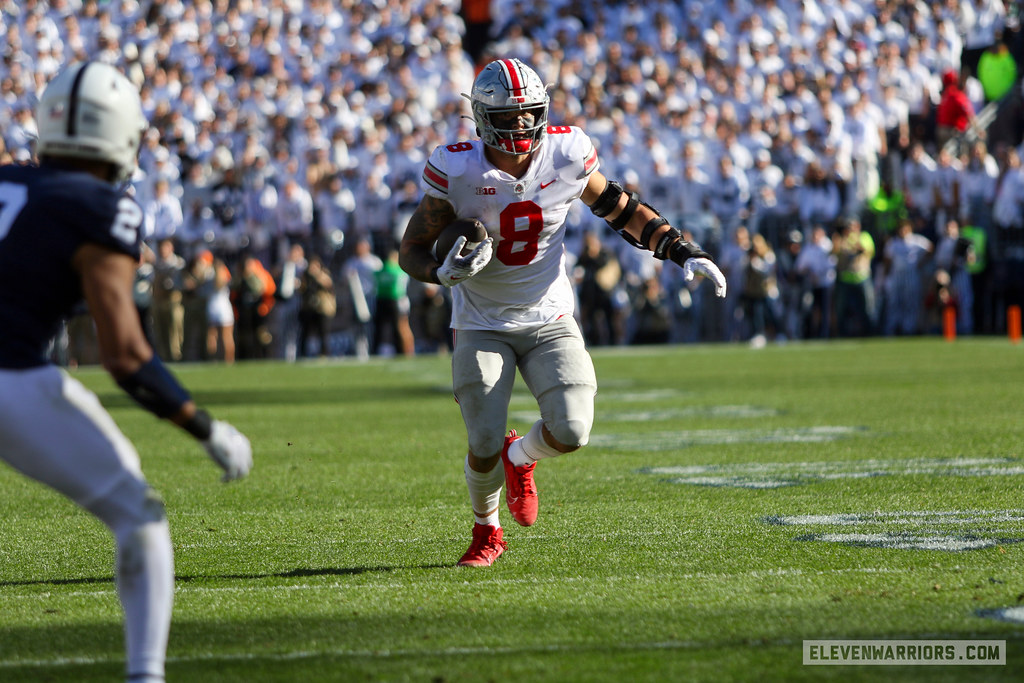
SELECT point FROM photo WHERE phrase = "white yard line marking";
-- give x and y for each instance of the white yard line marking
(946, 530)
(778, 474)
(738, 411)
(903, 517)
(663, 441)
(1014, 615)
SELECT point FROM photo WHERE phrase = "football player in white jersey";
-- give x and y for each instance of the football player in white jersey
(67, 226)
(512, 299)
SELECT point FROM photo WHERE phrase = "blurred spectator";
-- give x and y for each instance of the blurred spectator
(252, 293)
(819, 197)
(360, 274)
(885, 210)
(294, 219)
(919, 187)
(817, 265)
(997, 71)
(760, 291)
(373, 215)
(288, 276)
(1008, 208)
(955, 113)
(791, 286)
(651, 314)
(729, 195)
(335, 203)
(197, 283)
(226, 231)
(986, 281)
(142, 292)
(220, 315)
(854, 250)
(733, 262)
(906, 254)
(164, 218)
(391, 319)
(953, 255)
(168, 312)
(430, 318)
(766, 215)
(318, 308)
(977, 186)
(947, 190)
(597, 274)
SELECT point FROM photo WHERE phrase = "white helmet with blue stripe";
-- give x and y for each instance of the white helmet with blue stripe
(90, 110)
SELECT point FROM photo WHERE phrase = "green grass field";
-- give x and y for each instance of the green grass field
(732, 504)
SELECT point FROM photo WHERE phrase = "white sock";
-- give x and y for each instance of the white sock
(485, 493)
(145, 585)
(532, 447)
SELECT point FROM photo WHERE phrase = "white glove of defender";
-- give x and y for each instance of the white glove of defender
(457, 268)
(708, 269)
(230, 449)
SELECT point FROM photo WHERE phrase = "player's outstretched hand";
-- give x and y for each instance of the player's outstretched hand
(708, 269)
(230, 449)
(457, 268)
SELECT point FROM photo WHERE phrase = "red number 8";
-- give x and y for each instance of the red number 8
(514, 233)
(459, 147)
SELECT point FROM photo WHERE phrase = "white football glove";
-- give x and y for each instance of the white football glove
(457, 268)
(230, 449)
(707, 268)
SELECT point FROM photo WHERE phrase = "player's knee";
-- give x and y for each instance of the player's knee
(129, 506)
(571, 433)
(136, 544)
(484, 445)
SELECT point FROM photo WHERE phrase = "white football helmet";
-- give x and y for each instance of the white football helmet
(90, 110)
(504, 89)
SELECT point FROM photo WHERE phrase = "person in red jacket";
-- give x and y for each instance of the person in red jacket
(955, 113)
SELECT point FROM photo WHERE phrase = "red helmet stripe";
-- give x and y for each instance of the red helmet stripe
(514, 79)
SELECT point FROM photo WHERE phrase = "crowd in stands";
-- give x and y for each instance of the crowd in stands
(853, 165)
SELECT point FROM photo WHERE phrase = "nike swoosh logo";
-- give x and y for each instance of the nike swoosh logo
(511, 501)
(543, 185)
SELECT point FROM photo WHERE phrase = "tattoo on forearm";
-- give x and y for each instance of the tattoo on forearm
(426, 223)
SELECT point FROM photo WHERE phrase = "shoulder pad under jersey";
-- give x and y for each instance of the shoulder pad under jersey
(98, 211)
(573, 152)
(446, 161)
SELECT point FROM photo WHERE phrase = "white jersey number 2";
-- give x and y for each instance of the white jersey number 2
(127, 222)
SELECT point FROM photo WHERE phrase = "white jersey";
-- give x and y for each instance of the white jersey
(526, 283)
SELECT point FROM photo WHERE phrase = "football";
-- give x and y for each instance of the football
(470, 228)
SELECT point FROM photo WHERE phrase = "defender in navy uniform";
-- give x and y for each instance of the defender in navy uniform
(68, 232)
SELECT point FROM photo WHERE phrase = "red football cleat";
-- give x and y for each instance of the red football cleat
(520, 491)
(486, 547)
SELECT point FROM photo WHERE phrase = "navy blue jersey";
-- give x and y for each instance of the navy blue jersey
(46, 214)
